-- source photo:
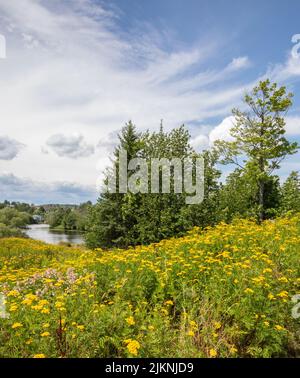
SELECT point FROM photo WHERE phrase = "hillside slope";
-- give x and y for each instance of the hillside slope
(224, 292)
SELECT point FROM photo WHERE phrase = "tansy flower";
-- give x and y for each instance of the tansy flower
(169, 302)
(41, 355)
(133, 346)
(193, 324)
(248, 291)
(191, 333)
(45, 334)
(283, 294)
(130, 320)
(13, 293)
(17, 325)
(80, 327)
(279, 327)
(212, 353)
(217, 325)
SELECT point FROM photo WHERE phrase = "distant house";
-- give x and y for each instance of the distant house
(38, 218)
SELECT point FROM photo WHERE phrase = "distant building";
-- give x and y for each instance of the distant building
(38, 218)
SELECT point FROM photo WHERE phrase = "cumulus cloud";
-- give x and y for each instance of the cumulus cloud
(222, 131)
(293, 125)
(27, 190)
(9, 148)
(71, 146)
(200, 142)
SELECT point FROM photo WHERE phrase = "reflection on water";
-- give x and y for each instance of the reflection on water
(42, 232)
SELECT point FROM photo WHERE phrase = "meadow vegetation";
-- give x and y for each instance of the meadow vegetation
(222, 292)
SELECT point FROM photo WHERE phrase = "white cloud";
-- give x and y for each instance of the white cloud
(71, 146)
(238, 63)
(26, 190)
(222, 131)
(293, 125)
(70, 69)
(9, 148)
(200, 142)
(81, 74)
(109, 142)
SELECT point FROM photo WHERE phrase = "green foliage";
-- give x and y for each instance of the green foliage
(258, 136)
(225, 292)
(67, 218)
(122, 219)
(13, 218)
(239, 196)
(290, 200)
(8, 232)
(252, 190)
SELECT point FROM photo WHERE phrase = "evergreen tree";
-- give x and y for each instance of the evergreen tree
(290, 200)
(109, 223)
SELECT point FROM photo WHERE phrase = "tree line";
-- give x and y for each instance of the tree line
(258, 146)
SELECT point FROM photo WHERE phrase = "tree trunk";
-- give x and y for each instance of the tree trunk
(261, 201)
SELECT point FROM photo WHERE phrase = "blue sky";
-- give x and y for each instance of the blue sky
(76, 71)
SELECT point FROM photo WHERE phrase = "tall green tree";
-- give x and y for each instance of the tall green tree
(290, 200)
(109, 222)
(258, 135)
(238, 197)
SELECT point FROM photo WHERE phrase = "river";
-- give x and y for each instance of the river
(44, 233)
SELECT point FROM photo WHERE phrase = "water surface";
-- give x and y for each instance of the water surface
(43, 233)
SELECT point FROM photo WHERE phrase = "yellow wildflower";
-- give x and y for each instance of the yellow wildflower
(41, 355)
(17, 325)
(133, 346)
(130, 320)
(212, 353)
(45, 334)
